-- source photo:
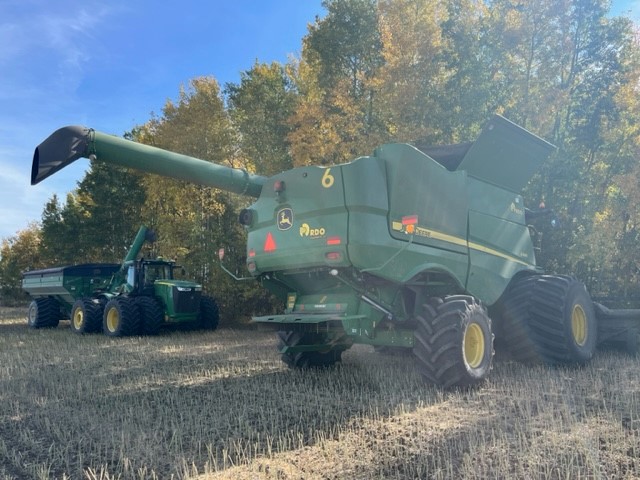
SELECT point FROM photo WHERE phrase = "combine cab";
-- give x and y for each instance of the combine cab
(426, 249)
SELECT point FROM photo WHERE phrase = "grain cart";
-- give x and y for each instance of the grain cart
(137, 296)
(54, 290)
(427, 250)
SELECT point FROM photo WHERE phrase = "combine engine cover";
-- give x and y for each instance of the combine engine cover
(300, 221)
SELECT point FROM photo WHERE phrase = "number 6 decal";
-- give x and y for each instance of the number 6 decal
(327, 179)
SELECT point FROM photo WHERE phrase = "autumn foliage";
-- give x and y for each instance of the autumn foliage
(375, 71)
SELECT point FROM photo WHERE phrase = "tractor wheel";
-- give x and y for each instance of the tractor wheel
(208, 317)
(151, 314)
(86, 316)
(43, 313)
(515, 315)
(562, 320)
(310, 359)
(453, 342)
(121, 317)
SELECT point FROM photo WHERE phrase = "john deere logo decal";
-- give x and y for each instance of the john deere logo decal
(285, 219)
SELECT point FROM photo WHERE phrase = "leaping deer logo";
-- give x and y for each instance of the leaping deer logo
(285, 219)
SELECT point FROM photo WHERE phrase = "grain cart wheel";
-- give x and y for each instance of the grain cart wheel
(453, 342)
(121, 317)
(43, 313)
(151, 315)
(208, 317)
(562, 320)
(307, 359)
(516, 319)
(86, 316)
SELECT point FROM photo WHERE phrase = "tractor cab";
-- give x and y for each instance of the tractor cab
(143, 274)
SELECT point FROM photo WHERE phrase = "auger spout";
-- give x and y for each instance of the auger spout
(68, 144)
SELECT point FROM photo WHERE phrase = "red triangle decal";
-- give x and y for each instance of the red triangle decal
(269, 243)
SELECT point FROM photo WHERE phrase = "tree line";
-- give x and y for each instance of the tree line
(426, 72)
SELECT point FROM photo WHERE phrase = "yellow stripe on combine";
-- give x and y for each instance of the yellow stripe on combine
(491, 251)
(428, 233)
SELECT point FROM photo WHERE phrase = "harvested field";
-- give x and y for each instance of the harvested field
(208, 405)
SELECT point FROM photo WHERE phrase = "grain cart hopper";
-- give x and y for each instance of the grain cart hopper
(424, 250)
(137, 296)
(54, 290)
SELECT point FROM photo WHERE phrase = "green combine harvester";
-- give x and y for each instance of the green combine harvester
(137, 297)
(427, 250)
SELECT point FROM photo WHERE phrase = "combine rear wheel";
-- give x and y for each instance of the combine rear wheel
(453, 342)
(86, 316)
(121, 317)
(208, 317)
(43, 313)
(151, 313)
(306, 359)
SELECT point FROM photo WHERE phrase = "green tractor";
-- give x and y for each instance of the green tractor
(423, 249)
(137, 297)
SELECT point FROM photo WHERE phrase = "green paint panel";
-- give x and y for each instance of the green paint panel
(426, 201)
(505, 155)
(305, 225)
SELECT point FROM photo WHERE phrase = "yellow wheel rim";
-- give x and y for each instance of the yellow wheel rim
(113, 320)
(473, 345)
(78, 318)
(579, 327)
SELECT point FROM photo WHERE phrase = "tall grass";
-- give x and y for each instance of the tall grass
(222, 405)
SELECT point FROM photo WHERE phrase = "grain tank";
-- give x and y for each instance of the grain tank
(426, 250)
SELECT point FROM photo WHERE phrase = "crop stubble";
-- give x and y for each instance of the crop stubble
(222, 405)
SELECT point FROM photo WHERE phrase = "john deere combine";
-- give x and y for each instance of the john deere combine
(137, 297)
(427, 250)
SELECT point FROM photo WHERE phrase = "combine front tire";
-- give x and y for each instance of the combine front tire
(43, 313)
(86, 316)
(121, 317)
(325, 357)
(209, 317)
(562, 320)
(453, 342)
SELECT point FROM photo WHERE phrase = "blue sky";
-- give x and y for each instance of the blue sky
(109, 65)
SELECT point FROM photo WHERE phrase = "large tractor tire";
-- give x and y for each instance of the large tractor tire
(453, 342)
(151, 315)
(86, 316)
(121, 317)
(515, 315)
(308, 359)
(43, 313)
(562, 320)
(209, 316)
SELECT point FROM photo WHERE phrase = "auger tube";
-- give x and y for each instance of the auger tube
(68, 144)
